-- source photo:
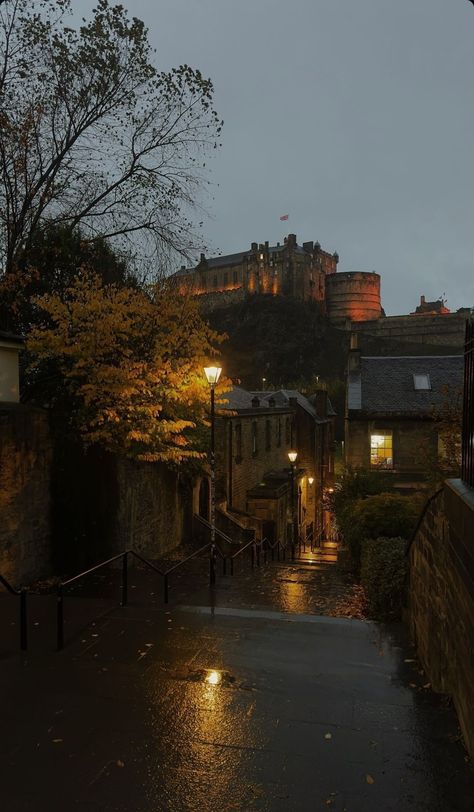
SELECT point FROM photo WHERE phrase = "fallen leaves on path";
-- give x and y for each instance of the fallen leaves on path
(353, 605)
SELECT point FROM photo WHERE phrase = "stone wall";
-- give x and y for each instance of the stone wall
(441, 331)
(25, 494)
(64, 508)
(154, 512)
(441, 597)
(104, 504)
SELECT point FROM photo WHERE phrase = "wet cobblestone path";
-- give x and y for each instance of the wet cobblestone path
(247, 697)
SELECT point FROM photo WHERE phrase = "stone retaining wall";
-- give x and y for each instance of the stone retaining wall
(441, 597)
(25, 493)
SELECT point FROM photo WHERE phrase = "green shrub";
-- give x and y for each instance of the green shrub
(386, 514)
(383, 576)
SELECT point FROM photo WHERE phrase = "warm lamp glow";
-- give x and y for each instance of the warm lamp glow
(214, 678)
(212, 374)
(311, 480)
(292, 455)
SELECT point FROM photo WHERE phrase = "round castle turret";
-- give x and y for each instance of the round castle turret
(353, 295)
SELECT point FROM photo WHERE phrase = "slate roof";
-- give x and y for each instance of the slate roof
(239, 399)
(385, 385)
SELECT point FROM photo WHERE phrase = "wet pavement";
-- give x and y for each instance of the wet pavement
(244, 698)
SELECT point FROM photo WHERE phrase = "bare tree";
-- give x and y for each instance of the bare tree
(92, 134)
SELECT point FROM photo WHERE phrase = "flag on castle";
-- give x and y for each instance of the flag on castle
(284, 217)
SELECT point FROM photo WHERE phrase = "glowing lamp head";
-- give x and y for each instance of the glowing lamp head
(212, 374)
(311, 480)
(214, 678)
(292, 455)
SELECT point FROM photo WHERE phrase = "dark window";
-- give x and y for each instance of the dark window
(288, 431)
(279, 433)
(268, 435)
(226, 279)
(254, 438)
(214, 281)
(204, 284)
(238, 441)
(235, 277)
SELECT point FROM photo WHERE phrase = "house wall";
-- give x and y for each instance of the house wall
(414, 443)
(441, 597)
(249, 469)
(25, 494)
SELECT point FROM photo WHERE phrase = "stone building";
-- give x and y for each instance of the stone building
(254, 433)
(393, 411)
(286, 269)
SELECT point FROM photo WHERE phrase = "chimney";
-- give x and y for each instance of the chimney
(202, 258)
(321, 402)
(308, 246)
(292, 240)
(353, 362)
(254, 246)
(422, 300)
(267, 244)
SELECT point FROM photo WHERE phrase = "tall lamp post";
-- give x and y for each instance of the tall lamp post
(292, 455)
(213, 374)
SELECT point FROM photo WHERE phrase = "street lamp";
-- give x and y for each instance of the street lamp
(213, 374)
(292, 455)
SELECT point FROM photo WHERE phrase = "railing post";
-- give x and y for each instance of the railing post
(224, 566)
(232, 565)
(124, 600)
(253, 555)
(60, 618)
(258, 555)
(265, 554)
(23, 620)
(212, 566)
(165, 587)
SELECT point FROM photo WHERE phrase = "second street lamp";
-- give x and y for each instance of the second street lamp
(213, 374)
(292, 455)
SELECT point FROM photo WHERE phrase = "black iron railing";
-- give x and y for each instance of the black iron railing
(22, 594)
(467, 463)
(124, 557)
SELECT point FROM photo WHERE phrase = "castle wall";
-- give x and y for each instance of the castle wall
(447, 329)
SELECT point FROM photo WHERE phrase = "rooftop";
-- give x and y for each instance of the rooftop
(404, 384)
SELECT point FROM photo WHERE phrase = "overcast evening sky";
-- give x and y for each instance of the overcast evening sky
(355, 117)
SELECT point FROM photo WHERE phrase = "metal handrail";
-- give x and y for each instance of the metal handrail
(216, 529)
(22, 594)
(124, 585)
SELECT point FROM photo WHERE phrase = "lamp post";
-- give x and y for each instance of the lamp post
(292, 455)
(213, 374)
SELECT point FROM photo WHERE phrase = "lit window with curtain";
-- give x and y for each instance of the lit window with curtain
(381, 449)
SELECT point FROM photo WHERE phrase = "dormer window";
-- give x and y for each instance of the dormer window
(421, 382)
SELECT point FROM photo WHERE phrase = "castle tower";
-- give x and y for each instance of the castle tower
(353, 295)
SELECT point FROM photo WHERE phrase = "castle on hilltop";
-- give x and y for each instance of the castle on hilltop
(350, 300)
(304, 272)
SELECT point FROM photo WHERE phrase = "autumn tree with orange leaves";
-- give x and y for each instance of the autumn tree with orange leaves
(127, 367)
